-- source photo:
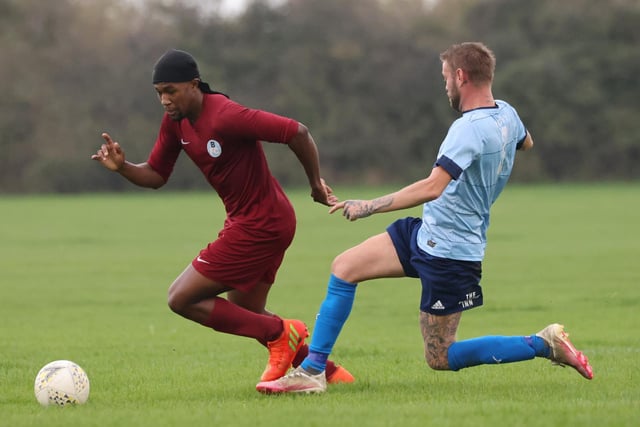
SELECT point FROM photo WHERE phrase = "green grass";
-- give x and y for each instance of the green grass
(85, 277)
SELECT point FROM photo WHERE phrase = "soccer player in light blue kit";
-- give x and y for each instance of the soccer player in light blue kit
(446, 246)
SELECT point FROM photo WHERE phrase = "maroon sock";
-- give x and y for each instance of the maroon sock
(303, 352)
(232, 319)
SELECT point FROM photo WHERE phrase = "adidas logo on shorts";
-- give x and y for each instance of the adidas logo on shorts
(437, 305)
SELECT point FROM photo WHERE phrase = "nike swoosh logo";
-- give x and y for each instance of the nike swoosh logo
(183, 142)
(202, 260)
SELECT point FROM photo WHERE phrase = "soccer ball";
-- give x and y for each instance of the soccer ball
(61, 383)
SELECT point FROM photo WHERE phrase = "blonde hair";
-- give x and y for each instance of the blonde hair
(474, 58)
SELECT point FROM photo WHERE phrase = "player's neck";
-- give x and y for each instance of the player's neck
(196, 108)
(477, 98)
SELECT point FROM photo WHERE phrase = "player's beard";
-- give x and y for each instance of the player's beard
(454, 99)
(176, 115)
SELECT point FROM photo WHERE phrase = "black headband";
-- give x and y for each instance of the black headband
(177, 66)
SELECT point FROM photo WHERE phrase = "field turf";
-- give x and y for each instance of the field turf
(85, 278)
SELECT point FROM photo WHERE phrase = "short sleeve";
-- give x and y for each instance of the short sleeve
(459, 148)
(164, 154)
(259, 125)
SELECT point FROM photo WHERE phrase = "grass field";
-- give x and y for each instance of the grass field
(85, 277)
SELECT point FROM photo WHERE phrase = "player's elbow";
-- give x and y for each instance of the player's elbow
(303, 131)
(301, 137)
(151, 184)
(433, 194)
(143, 175)
(434, 185)
(157, 184)
(155, 181)
(430, 193)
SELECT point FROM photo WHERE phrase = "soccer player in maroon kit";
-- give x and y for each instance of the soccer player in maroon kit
(223, 138)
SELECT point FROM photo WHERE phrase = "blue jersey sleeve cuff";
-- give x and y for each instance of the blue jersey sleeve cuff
(519, 144)
(450, 166)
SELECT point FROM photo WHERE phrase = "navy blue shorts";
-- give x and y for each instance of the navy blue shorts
(448, 285)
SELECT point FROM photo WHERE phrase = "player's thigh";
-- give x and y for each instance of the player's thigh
(191, 287)
(374, 258)
(438, 332)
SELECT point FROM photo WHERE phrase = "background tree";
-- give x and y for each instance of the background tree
(364, 75)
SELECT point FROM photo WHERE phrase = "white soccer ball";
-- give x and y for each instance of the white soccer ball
(61, 383)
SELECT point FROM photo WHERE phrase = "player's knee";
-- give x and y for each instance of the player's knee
(175, 302)
(437, 365)
(437, 360)
(341, 268)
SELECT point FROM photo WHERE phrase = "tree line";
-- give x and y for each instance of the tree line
(363, 75)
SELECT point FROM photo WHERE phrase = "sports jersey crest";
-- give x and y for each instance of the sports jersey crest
(213, 148)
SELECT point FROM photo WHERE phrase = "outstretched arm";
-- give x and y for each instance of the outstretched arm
(305, 149)
(412, 195)
(111, 156)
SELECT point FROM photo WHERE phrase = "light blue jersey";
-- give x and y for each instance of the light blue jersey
(478, 152)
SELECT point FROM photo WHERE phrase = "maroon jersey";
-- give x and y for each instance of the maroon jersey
(225, 145)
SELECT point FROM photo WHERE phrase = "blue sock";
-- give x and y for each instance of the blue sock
(495, 349)
(334, 311)
(539, 345)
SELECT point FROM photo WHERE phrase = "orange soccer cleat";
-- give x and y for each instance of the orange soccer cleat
(340, 376)
(283, 349)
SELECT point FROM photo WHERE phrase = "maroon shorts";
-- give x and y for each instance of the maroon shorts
(241, 259)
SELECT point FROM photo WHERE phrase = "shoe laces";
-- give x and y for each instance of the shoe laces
(277, 354)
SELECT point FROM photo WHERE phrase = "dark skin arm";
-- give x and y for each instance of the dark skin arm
(305, 149)
(111, 156)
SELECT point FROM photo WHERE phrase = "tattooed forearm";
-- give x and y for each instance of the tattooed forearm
(355, 209)
(381, 202)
